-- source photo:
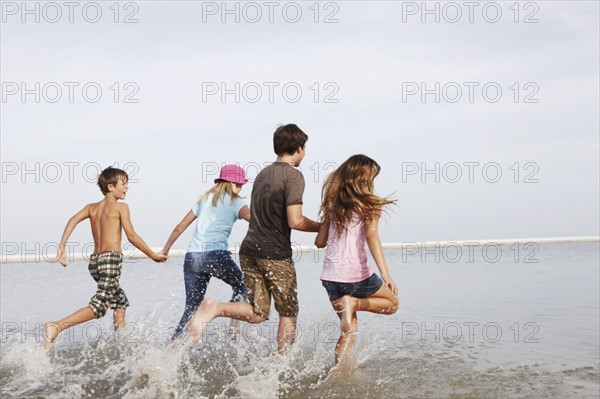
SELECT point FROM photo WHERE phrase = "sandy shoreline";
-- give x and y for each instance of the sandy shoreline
(409, 245)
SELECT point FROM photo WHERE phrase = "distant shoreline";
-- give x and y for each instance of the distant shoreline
(175, 253)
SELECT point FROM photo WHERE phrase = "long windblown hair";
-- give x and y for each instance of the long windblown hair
(219, 190)
(350, 188)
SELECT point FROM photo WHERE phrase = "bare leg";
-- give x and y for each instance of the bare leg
(382, 301)
(286, 334)
(119, 321)
(346, 340)
(53, 328)
(210, 309)
(345, 307)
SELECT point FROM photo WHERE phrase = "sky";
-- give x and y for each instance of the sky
(483, 116)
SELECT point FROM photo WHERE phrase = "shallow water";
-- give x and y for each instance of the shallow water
(474, 327)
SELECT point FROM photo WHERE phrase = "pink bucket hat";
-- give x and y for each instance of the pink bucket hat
(232, 173)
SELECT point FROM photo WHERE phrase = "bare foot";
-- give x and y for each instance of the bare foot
(348, 306)
(207, 311)
(51, 330)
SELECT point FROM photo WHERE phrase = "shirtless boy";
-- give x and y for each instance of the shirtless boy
(107, 217)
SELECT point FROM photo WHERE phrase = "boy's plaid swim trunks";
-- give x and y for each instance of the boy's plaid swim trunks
(105, 269)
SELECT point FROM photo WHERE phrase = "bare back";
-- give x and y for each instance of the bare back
(105, 219)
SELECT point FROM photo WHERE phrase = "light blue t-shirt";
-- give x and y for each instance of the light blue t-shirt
(214, 223)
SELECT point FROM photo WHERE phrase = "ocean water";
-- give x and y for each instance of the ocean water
(497, 321)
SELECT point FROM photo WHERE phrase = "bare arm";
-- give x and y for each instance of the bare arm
(323, 234)
(74, 221)
(372, 232)
(178, 230)
(245, 213)
(134, 238)
(299, 222)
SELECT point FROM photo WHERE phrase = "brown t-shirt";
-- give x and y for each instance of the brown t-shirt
(275, 188)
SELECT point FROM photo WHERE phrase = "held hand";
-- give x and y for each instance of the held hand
(164, 251)
(389, 283)
(159, 257)
(61, 257)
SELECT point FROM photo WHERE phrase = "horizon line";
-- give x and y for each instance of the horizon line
(135, 253)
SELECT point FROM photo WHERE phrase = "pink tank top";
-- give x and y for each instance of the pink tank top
(346, 255)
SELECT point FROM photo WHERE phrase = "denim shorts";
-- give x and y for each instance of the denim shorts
(361, 289)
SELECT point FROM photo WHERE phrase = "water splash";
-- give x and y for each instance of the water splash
(249, 367)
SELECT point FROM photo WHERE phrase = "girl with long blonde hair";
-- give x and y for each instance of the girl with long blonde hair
(208, 253)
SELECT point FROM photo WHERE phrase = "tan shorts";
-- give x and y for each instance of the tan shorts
(266, 277)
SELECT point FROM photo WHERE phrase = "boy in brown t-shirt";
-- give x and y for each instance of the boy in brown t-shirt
(266, 252)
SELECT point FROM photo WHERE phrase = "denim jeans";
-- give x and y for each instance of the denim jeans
(198, 268)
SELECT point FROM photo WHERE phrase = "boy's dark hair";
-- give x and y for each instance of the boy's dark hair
(111, 175)
(287, 139)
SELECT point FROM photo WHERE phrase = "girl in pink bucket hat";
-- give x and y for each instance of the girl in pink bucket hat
(208, 252)
(233, 174)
